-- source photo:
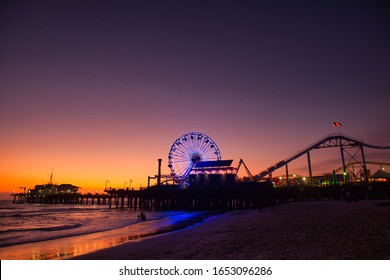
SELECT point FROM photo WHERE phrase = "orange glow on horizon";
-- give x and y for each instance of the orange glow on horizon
(88, 162)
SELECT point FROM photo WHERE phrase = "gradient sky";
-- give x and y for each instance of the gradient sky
(100, 90)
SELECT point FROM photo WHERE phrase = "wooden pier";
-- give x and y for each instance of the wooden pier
(240, 196)
(76, 198)
(173, 198)
(163, 198)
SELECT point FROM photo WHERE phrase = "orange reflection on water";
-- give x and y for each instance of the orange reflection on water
(65, 248)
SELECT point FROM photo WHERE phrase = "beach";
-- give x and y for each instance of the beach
(314, 230)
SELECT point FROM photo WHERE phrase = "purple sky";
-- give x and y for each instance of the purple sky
(101, 89)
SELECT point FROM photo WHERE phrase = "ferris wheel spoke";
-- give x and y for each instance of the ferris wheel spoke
(180, 149)
(210, 158)
(206, 149)
(186, 146)
(200, 138)
(178, 152)
(202, 142)
(182, 170)
(201, 148)
(184, 141)
(180, 164)
(190, 144)
(182, 161)
(199, 143)
(196, 140)
(179, 172)
(191, 147)
(208, 144)
(181, 154)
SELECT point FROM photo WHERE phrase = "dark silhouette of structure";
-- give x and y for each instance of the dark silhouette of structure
(330, 141)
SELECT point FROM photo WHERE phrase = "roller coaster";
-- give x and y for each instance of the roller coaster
(331, 141)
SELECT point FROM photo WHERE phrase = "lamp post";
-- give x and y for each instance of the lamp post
(130, 183)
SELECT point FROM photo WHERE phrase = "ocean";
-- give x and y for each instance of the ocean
(47, 231)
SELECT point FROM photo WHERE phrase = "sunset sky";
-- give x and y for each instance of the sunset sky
(99, 90)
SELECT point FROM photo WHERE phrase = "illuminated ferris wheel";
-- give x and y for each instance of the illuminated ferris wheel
(188, 150)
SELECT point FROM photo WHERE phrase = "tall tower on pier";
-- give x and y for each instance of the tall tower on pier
(51, 177)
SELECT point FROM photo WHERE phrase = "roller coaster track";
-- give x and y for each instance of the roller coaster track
(359, 163)
(329, 141)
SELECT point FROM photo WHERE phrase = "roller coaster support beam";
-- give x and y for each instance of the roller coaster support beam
(364, 165)
(287, 181)
(309, 164)
(343, 162)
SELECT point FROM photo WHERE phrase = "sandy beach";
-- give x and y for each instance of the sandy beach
(302, 230)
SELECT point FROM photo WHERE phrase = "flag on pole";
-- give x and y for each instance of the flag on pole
(336, 124)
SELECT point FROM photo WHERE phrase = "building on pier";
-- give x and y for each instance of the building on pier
(54, 189)
(212, 174)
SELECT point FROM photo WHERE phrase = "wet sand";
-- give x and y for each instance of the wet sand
(303, 230)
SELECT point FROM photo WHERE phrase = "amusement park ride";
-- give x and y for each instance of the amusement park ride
(195, 153)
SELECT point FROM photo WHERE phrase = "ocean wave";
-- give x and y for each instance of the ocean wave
(35, 211)
(64, 227)
(54, 228)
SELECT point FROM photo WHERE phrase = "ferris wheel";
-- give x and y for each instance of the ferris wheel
(188, 150)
